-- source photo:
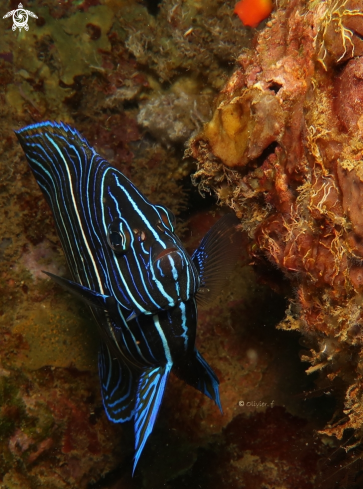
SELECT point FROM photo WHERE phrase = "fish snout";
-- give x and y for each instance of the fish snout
(168, 263)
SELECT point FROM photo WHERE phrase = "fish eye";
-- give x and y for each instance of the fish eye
(118, 237)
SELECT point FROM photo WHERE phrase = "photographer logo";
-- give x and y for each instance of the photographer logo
(20, 17)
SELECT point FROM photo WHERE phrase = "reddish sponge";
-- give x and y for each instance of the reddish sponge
(252, 12)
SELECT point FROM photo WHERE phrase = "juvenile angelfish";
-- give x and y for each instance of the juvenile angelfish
(128, 265)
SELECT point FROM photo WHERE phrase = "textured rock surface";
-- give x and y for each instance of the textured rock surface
(284, 150)
(126, 78)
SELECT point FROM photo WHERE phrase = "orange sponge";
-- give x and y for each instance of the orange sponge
(252, 12)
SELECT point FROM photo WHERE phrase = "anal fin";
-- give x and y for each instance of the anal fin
(118, 386)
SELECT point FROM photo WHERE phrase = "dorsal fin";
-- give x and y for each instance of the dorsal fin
(216, 256)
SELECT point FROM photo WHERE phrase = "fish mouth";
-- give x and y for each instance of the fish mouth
(166, 252)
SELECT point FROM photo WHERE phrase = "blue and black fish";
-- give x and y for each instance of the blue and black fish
(130, 267)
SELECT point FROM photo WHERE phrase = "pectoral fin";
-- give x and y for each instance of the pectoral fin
(91, 297)
(216, 257)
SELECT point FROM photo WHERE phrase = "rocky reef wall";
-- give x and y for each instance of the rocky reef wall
(284, 150)
(138, 78)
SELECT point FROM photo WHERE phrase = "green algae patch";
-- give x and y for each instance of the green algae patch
(75, 42)
(60, 335)
(52, 54)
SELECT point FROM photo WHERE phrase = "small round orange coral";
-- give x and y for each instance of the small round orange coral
(252, 12)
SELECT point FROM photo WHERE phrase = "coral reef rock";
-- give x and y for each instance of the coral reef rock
(284, 150)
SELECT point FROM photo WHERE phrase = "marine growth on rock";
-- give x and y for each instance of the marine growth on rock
(284, 149)
(138, 79)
